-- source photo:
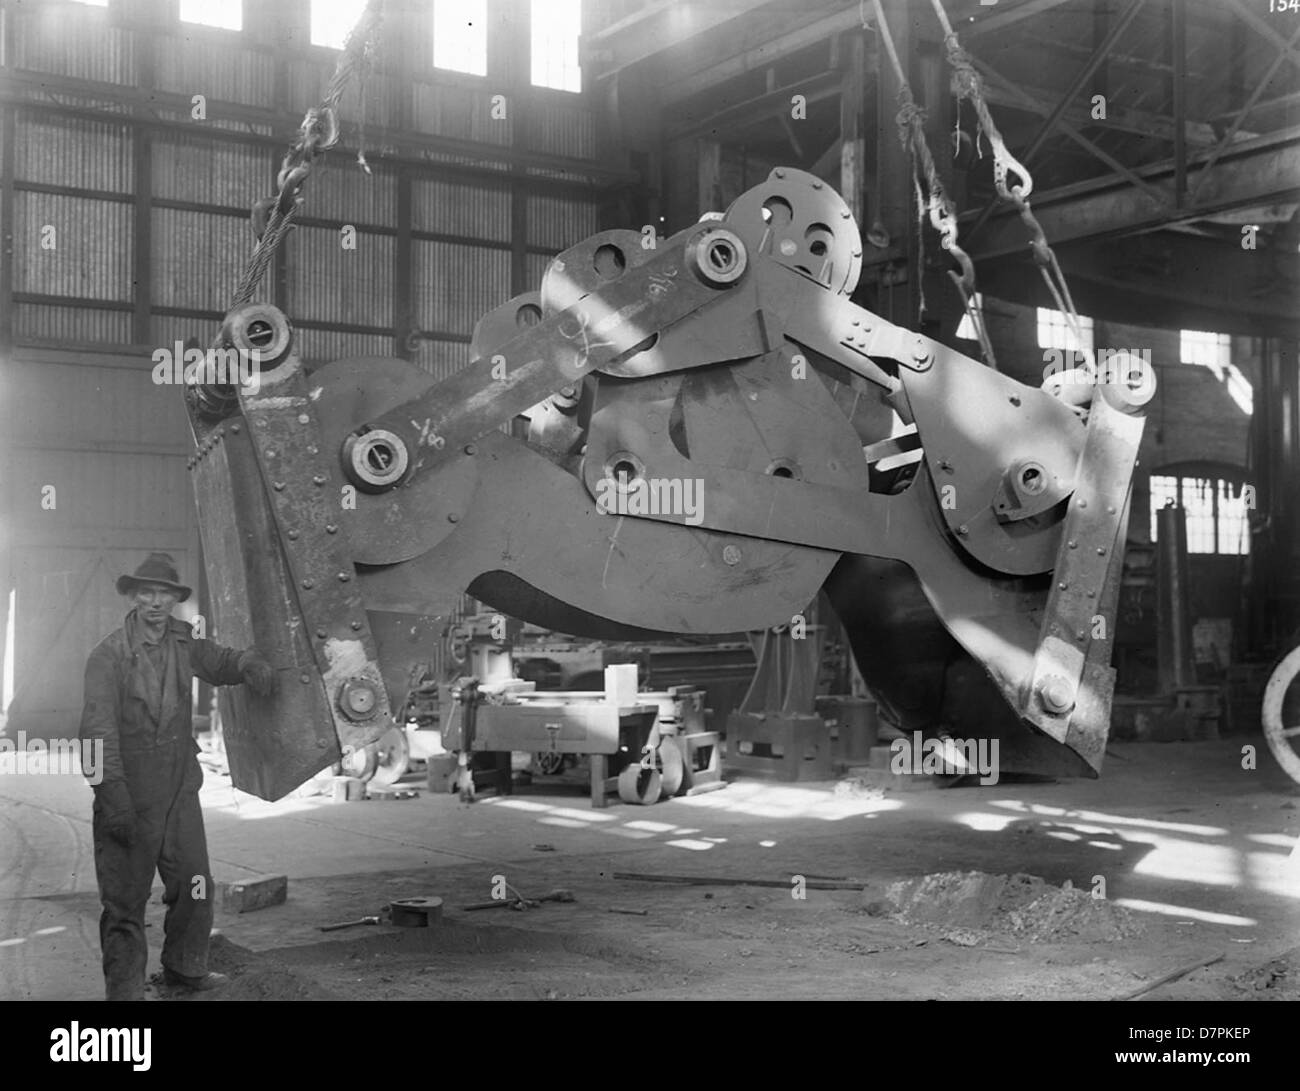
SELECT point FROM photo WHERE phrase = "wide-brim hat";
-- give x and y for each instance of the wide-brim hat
(156, 568)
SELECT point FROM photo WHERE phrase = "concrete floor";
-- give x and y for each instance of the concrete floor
(1201, 852)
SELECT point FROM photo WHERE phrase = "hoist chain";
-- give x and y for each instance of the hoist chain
(272, 216)
(933, 198)
(967, 84)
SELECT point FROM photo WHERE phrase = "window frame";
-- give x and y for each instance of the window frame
(1221, 478)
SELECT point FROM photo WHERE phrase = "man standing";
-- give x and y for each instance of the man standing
(146, 813)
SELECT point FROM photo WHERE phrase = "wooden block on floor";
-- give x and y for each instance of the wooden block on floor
(259, 892)
(347, 790)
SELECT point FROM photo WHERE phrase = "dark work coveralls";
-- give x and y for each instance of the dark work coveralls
(138, 701)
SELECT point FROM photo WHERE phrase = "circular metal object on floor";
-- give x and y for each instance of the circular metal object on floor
(638, 785)
(1281, 714)
(416, 912)
(672, 770)
(392, 757)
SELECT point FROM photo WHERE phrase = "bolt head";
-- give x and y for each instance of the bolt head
(1056, 694)
(358, 698)
(731, 554)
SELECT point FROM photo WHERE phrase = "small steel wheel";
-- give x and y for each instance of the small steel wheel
(392, 757)
(1281, 714)
(638, 785)
(672, 770)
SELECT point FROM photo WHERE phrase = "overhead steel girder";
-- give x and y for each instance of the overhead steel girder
(1254, 172)
(1166, 278)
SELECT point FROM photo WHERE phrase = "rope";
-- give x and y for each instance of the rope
(319, 130)
(932, 198)
(968, 84)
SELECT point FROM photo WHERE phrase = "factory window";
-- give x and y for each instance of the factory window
(1216, 512)
(227, 14)
(1054, 331)
(557, 25)
(1214, 350)
(460, 36)
(331, 20)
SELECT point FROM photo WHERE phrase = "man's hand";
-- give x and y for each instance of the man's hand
(260, 676)
(121, 828)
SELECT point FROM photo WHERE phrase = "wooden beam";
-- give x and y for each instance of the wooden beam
(1258, 172)
(1006, 15)
(774, 102)
(655, 28)
(1282, 54)
(1164, 279)
(1017, 95)
(1080, 78)
(1266, 28)
(681, 81)
(1093, 149)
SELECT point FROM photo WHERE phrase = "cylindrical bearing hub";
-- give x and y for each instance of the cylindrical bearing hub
(375, 460)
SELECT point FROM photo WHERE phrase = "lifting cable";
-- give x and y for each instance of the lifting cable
(942, 211)
(319, 130)
(968, 84)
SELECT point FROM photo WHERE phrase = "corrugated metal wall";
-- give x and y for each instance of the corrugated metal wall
(454, 285)
(328, 283)
(80, 410)
(111, 445)
(72, 246)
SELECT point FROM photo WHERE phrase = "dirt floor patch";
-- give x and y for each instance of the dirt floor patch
(970, 907)
(252, 977)
(1277, 979)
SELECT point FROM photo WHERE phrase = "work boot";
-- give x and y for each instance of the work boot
(210, 980)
